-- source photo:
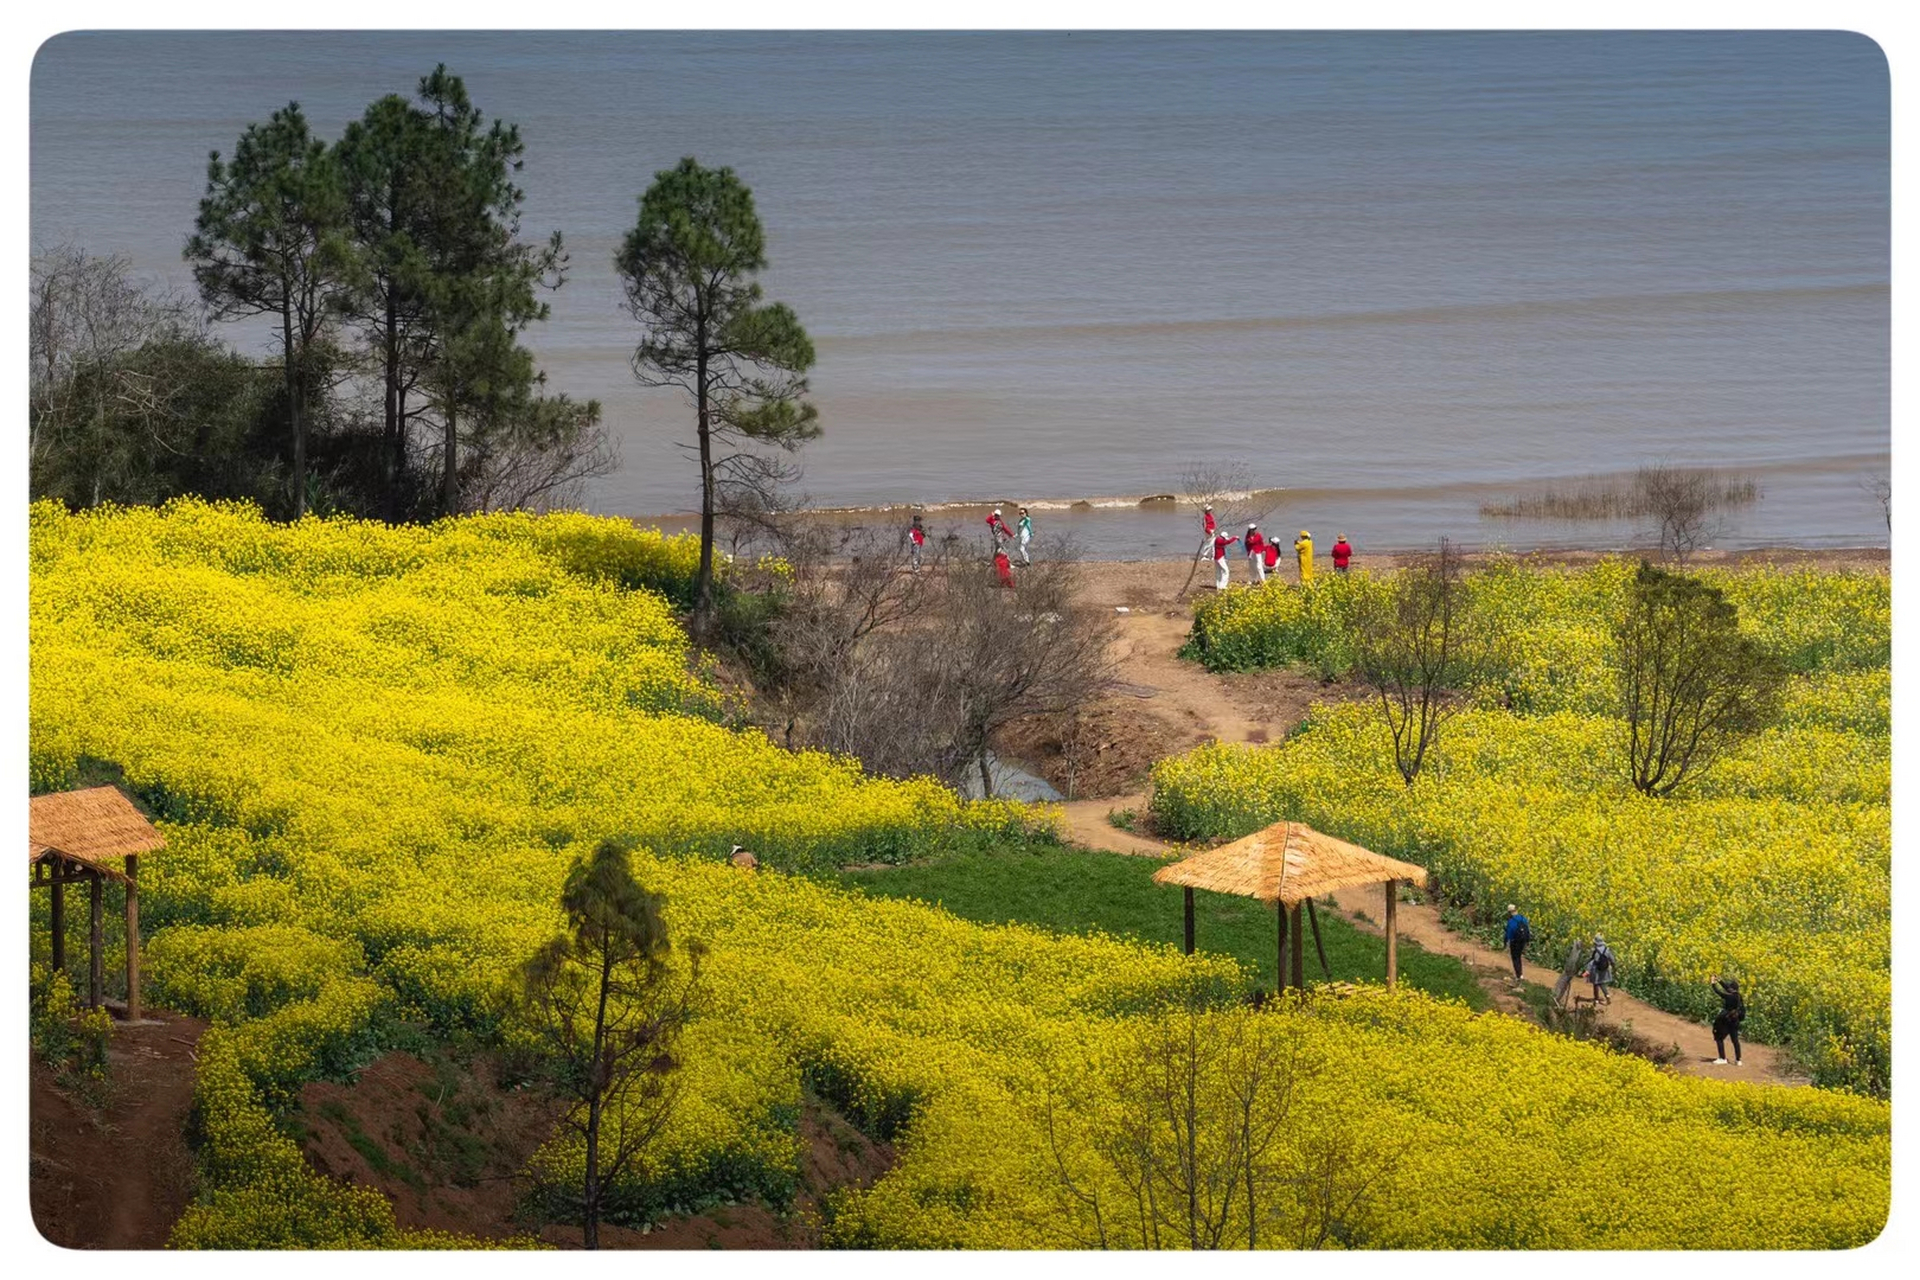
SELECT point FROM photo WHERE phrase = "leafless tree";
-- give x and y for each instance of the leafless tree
(1418, 646)
(1880, 488)
(1191, 1135)
(1006, 655)
(1228, 488)
(1685, 504)
(85, 312)
(539, 461)
(757, 503)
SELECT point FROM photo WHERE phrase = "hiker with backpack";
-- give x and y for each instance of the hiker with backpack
(1519, 934)
(1601, 967)
(1726, 1023)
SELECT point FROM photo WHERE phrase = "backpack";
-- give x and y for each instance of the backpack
(1525, 934)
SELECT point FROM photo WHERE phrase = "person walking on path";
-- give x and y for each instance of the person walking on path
(1726, 1023)
(1303, 547)
(1519, 933)
(916, 541)
(1003, 566)
(1600, 970)
(1221, 577)
(1255, 544)
(1026, 535)
(1342, 553)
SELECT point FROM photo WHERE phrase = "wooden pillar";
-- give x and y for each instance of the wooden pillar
(1189, 921)
(59, 919)
(96, 945)
(133, 939)
(1280, 969)
(1299, 950)
(1393, 938)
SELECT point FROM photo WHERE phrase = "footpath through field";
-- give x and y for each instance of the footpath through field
(1086, 823)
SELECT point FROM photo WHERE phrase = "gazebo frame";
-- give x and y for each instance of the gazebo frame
(70, 838)
(1290, 864)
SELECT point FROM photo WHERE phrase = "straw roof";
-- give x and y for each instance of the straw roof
(87, 827)
(1289, 862)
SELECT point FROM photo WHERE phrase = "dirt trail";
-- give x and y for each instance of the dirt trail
(1087, 824)
(116, 1176)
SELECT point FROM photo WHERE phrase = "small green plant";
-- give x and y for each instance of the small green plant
(1123, 818)
(70, 1039)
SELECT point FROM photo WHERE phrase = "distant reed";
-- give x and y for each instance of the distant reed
(1624, 498)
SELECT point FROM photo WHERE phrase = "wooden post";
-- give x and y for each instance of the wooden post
(1189, 920)
(1280, 970)
(96, 947)
(133, 939)
(1299, 951)
(59, 917)
(1393, 939)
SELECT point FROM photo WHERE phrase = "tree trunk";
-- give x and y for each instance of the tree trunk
(295, 419)
(389, 477)
(986, 776)
(450, 479)
(592, 1197)
(703, 581)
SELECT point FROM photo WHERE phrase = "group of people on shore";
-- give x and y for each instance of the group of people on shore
(1263, 554)
(1602, 970)
(1003, 535)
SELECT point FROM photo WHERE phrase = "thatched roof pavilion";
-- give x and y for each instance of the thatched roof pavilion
(72, 838)
(1288, 864)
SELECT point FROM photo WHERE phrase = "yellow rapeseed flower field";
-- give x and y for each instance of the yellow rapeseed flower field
(375, 751)
(1774, 864)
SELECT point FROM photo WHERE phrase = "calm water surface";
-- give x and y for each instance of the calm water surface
(1397, 274)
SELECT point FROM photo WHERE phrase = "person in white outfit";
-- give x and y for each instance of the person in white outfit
(1026, 535)
(1256, 548)
(1221, 541)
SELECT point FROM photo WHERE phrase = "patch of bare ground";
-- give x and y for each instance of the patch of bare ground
(117, 1175)
(447, 1144)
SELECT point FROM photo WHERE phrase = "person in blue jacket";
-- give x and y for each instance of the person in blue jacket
(1519, 934)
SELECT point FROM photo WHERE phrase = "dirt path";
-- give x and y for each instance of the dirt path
(116, 1176)
(1087, 824)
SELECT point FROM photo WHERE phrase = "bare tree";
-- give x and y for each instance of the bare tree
(1228, 488)
(540, 459)
(1003, 655)
(1880, 489)
(1691, 685)
(1681, 502)
(1418, 646)
(1189, 1135)
(87, 312)
(757, 504)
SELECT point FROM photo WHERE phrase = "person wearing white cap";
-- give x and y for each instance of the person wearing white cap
(1256, 547)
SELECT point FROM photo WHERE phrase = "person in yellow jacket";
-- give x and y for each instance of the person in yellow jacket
(1303, 547)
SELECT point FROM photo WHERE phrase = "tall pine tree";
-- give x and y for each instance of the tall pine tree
(269, 240)
(442, 282)
(689, 265)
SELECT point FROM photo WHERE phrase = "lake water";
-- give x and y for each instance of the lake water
(1396, 274)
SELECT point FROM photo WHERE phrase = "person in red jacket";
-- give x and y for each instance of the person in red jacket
(1003, 566)
(916, 541)
(998, 528)
(1341, 554)
(1206, 521)
(1221, 542)
(1271, 555)
(1256, 546)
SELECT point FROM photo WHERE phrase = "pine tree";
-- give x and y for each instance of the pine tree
(269, 241)
(688, 266)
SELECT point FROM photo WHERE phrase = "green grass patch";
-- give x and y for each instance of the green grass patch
(1079, 891)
